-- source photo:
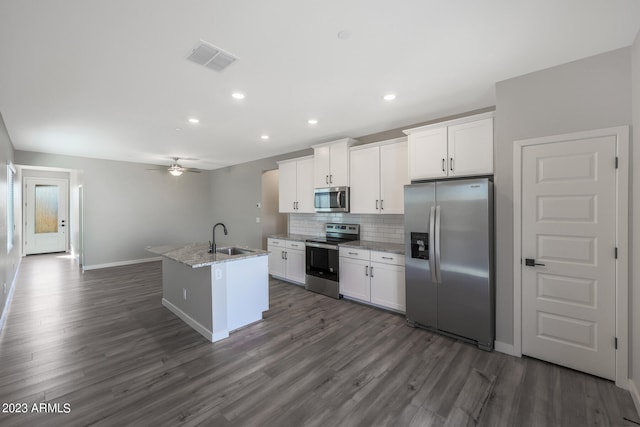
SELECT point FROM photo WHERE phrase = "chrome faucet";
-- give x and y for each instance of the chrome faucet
(212, 244)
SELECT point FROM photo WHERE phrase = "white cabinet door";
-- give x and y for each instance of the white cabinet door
(321, 166)
(276, 261)
(304, 178)
(295, 260)
(354, 278)
(387, 286)
(471, 148)
(287, 186)
(365, 180)
(394, 175)
(339, 172)
(428, 154)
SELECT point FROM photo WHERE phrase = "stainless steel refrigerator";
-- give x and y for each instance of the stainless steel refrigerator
(449, 258)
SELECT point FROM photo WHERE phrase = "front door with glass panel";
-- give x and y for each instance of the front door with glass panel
(46, 219)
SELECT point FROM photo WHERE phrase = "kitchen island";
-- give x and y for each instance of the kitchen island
(214, 293)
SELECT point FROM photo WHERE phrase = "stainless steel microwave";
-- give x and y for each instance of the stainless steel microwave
(331, 199)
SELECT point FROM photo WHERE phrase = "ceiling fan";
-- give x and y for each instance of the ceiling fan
(176, 169)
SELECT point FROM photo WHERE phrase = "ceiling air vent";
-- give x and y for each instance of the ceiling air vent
(211, 56)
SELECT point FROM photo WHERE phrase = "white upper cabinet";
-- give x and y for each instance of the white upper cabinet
(461, 147)
(471, 148)
(427, 154)
(378, 174)
(331, 163)
(365, 180)
(296, 185)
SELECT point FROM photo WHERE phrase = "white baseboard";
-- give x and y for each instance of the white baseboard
(505, 348)
(202, 330)
(635, 394)
(120, 263)
(7, 302)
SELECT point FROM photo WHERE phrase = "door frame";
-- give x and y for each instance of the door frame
(622, 240)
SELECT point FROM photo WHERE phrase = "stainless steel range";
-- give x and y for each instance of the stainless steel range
(322, 258)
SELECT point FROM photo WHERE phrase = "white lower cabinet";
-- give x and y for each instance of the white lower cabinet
(373, 277)
(287, 260)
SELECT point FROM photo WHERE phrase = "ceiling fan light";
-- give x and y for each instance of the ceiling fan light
(175, 169)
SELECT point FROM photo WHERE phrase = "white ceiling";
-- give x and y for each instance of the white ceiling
(110, 79)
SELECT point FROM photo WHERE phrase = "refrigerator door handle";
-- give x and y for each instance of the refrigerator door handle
(432, 238)
(437, 245)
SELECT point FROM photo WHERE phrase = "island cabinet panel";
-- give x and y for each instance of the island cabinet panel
(331, 163)
(287, 260)
(245, 300)
(373, 277)
(379, 173)
(461, 147)
(296, 185)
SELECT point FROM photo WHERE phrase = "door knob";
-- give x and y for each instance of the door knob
(530, 262)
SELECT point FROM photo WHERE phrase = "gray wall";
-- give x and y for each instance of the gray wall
(9, 260)
(635, 215)
(235, 191)
(587, 94)
(127, 207)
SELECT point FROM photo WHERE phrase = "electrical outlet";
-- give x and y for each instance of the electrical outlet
(258, 205)
(184, 294)
(257, 220)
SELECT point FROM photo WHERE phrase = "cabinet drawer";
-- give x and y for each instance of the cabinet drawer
(294, 244)
(355, 253)
(276, 242)
(387, 258)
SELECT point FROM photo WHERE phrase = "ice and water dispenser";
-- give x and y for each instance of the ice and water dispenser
(420, 245)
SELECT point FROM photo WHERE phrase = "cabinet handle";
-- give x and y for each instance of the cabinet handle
(285, 255)
(451, 164)
(353, 253)
(381, 206)
(371, 272)
(387, 257)
(444, 169)
(376, 204)
(326, 179)
(282, 255)
(330, 179)
(366, 270)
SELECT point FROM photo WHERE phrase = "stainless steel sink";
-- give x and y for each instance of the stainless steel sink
(234, 251)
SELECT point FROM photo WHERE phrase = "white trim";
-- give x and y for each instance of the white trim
(7, 302)
(635, 394)
(622, 231)
(505, 348)
(295, 159)
(120, 263)
(195, 324)
(459, 121)
(379, 143)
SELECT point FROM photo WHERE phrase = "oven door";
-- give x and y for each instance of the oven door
(322, 261)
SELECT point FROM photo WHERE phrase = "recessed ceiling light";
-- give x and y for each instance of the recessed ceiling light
(389, 97)
(344, 34)
(237, 95)
(264, 137)
(312, 121)
(194, 120)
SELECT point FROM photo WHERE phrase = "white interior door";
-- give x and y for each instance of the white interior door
(569, 234)
(46, 215)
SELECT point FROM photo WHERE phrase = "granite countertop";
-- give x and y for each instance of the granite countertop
(394, 248)
(293, 237)
(197, 255)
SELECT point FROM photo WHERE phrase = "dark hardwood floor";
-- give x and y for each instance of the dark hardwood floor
(102, 343)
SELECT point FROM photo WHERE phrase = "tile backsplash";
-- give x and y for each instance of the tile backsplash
(377, 228)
